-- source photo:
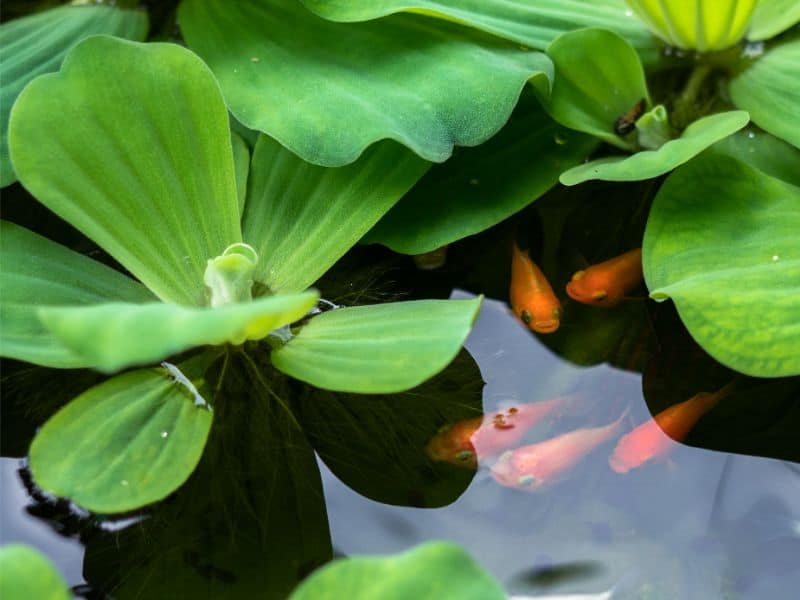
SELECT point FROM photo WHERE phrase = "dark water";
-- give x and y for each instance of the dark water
(703, 524)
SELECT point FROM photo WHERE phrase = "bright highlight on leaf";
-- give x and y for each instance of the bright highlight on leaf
(147, 433)
(721, 242)
(327, 91)
(383, 348)
(112, 336)
(141, 164)
(703, 25)
(651, 163)
(431, 571)
(37, 44)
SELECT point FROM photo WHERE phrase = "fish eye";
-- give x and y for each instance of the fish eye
(526, 317)
(464, 456)
(527, 480)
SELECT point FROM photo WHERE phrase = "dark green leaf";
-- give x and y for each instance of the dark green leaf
(532, 24)
(384, 458)
(479, 187)
(37, 44)
(334, 89)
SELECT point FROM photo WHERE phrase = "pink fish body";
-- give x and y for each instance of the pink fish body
(654, 438)
(473, 440)
(536, 465)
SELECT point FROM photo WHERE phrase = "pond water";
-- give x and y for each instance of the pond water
(698, 524)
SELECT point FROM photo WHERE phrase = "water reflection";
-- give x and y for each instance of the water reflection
(702, 524)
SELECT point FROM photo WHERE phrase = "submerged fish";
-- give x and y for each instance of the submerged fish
(606, 283)
(471, 441)
(655, 437)
(539, 464)
(532, 298)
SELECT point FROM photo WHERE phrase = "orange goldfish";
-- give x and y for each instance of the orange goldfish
(534, 466)
(473, 440)
(655, 437)
(606, 283)
(532, 298)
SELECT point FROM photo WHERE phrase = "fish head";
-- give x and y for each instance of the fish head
(452, 444)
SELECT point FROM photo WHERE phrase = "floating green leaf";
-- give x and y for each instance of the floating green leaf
(431, 571)
(479, 187)
(764, 152)
(115, 335)
(141, 164)
(598, 79)
(532, 24)
(301, 218)
(378, 349)
(127, 442)
(768, 89)
(37, 44)
(721, 241)
(651, 163)
(327, 91)
(772, 17)
(37, 272)
(26, 573)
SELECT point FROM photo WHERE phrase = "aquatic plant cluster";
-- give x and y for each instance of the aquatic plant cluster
(221, 158)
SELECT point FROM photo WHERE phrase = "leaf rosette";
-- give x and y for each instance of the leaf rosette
(147, 168)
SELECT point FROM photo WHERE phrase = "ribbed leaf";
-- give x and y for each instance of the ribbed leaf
(241, 163)
(140, 163)
(26, 573)
(479, 187)
(113, 336)
(703, 25)
(127, 442)
(651, 163)
(534, 24)
(432, 571)
(771, 17)
(37, 272)
(302, 218)
(37, 44)
(722, 242)
(768, 89)
(599, 78)
(378, 349)
(327, 91)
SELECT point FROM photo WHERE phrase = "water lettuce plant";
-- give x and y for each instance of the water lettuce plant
(146, 169)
